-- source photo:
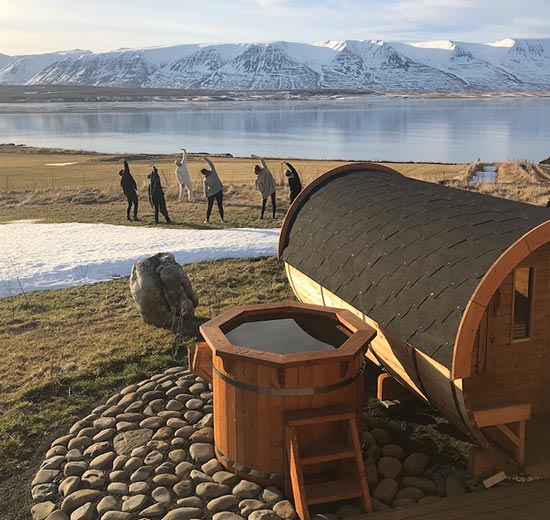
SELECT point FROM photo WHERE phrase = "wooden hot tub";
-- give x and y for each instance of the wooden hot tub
(265, 360)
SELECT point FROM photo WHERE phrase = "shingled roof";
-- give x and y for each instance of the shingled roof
(407, 253)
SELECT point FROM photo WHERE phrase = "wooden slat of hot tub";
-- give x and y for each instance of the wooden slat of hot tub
(530, 501)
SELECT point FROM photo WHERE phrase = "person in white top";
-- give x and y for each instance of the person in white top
(183, 178)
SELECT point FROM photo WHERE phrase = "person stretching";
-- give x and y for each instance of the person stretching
(156, 196)
(183, 178)
(293, 181)
(213, 190)
(129, 188)
(265, 184)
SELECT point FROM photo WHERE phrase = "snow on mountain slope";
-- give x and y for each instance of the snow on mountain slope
(5, 60)
(24, 68)
(434, 66)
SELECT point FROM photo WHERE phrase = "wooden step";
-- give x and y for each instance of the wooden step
(337, 451)
(319, 415)
(333, 490)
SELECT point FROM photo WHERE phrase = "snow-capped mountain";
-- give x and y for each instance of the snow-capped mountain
(375, 65)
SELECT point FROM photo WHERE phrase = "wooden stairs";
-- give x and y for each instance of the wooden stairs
(333, 470)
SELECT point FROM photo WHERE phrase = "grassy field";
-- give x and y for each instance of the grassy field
(66, 350)
(88, 190)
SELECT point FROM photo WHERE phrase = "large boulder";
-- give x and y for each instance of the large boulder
(162, 291)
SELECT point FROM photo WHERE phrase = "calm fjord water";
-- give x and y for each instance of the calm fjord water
(411, 129)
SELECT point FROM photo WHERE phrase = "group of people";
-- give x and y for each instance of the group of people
(213, 187)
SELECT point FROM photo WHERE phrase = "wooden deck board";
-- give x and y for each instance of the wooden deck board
(530, 501)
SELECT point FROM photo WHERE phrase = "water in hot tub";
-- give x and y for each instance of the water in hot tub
(289, 335)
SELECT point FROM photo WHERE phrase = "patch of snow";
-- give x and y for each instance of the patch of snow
(61, 163)
(51, 256)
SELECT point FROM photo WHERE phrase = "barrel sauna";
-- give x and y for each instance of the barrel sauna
(254, 388)
(457, 285)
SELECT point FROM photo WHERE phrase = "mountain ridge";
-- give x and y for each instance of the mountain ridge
(439, 66)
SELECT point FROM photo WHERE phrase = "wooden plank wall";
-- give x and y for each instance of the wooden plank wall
(521, 366)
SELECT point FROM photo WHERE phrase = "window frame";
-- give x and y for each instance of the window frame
(531, 291)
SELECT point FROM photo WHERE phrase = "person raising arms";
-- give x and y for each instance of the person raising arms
(213, 190)
(183, 178)
(129, 188)
(265, 184)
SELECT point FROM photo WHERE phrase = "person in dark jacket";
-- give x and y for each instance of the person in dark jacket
(156, 196)
(293, 181)
(213, 190)
(129, 188)
(265, 184)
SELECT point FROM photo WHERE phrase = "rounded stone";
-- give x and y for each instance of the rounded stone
(139, 488)
(62, 441)
(69, 485)
(193, 416)
(119, 462)
(201, 452)
(117, 515)
(104, 435)
(119, 476)
(184, 432)
(247, 489)
(183, 469)
(250, 504)
(140, 474)
(190, 502)
(74, 455)
(77, 499)
(198, 476)
(43, 510)
(381, 436)
(429, 487)
(163, 433)
(374, 453)
(205, 434)
(410, 492)
(108, 503)
(103, 461)
(285, 510)
(133, 463)
(85, 512)
(271, 495)
(165, 467)
(152, 422)
(184, 513)
(165, 479)
(223, 503)
(56, 450)
(118, 488)
(45, 476)
(263, 514)
(393, 450)
(179, 443)
(194, 404)
(385, 491)
(177, 456)
(154, 458)
(211, 490)
(94, 478)
(154, 511)
(158, 445)
(79, 443)
(371, 472)
(208, 419)
(104, 422)
(162, 495)
(227, 515)
(197, 388)
(75, 468)
(135, 504)
(44, 492)
(389, 467)
(416, 463)
(402, 502)
(183, 488)
(140, 452)
(226, 478)
(174, 405)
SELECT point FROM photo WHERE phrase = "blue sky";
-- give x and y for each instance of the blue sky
(34, 26)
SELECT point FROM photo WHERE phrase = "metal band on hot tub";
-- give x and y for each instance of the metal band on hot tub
(273, 477)
(288, 391)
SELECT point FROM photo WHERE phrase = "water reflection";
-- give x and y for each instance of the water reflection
(396, 129)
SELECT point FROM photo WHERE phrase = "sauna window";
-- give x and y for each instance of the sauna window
(523, 296)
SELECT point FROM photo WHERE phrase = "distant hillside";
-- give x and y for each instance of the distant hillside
(511, 65)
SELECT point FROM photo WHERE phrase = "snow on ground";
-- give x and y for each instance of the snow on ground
(50, 256)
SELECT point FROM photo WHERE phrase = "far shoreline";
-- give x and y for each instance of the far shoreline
(57, 94)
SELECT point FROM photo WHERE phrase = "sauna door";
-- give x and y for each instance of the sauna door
(517, 338)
